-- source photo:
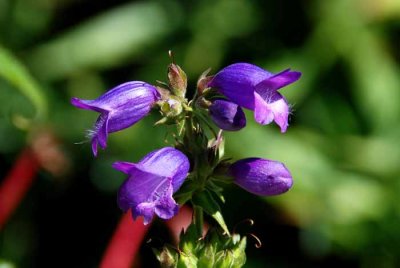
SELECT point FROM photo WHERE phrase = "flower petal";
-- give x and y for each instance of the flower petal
(86, 105)
(118, 95)
(273, 107)
(280, 109)
(167, 162)
(262, 114)
(140, 187)
(99, 133)
(166, 207)
(125, 167)
(145, 209)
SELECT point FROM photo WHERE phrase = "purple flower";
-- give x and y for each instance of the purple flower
(261, 176)
(227, 115)
(256, 89)
(119, 108)
(151, 182)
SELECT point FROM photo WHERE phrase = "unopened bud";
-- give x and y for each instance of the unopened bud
(177, 80)
(203, 81)
(167, 257)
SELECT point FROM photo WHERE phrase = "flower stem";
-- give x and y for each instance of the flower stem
(198, 219)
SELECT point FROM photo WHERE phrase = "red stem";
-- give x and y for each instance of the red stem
(125, 243)
(18, 181)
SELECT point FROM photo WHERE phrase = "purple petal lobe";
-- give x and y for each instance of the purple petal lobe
(86, 105)
(262, 114)
(227, 115)
(145, 209)
(151, 182)
(125, 167)
(280, 109)
(119, 108)
(279, 80)
(261, 176)
(272, 108)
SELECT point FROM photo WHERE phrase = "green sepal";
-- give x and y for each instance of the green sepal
(186, 191)
(187, 261)
(239, 253)
(207, 256)
(188, 240)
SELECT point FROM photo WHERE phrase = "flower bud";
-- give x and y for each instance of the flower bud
(203, 81)
(227, 115)
(177, 80)
(261, 176)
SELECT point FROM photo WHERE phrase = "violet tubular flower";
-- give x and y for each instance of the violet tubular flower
(256, 89)
(227, 115)
(151, 182)
(119, 108)
(261, 176)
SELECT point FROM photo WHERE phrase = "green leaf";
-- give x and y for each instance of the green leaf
(211, 207)
(18, 76)
(216, 190)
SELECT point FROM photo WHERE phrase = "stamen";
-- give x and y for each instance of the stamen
(250, 222)
(258, 243)
(171, 56)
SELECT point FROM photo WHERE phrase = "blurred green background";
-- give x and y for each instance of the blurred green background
(342, 146)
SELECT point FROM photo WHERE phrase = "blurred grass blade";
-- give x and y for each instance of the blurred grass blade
(18, 76)
(105, 41)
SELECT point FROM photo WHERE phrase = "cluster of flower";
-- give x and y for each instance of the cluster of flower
(153, 181)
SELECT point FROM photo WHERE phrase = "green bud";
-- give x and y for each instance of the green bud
(202, 102)
(171, 109)
(206, 256)
(224, 259)
(177, 80)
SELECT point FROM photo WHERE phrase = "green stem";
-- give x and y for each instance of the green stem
(198, 219)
